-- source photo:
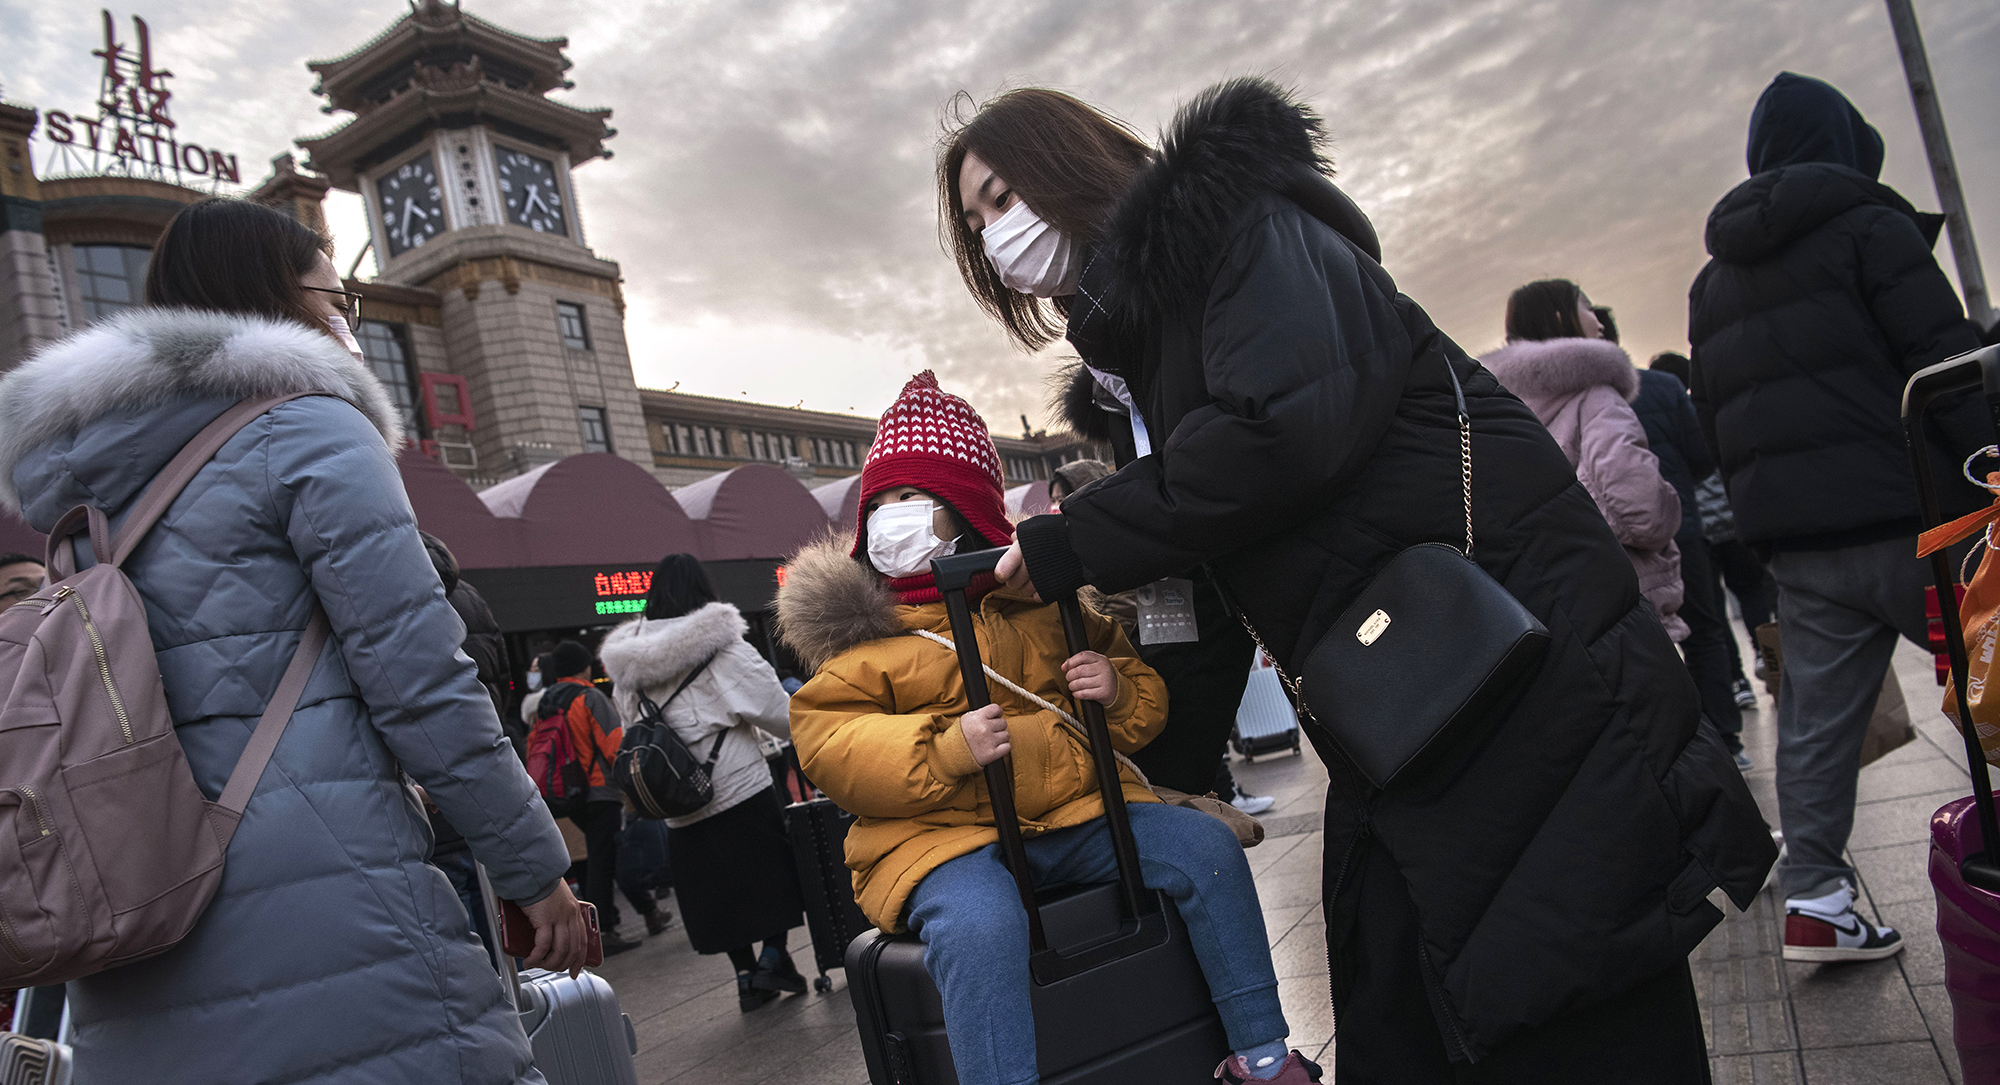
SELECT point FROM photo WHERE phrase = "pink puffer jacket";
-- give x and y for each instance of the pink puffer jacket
(1581, 389)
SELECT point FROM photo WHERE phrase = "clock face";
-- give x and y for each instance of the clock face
(529, 186)
(412, 204)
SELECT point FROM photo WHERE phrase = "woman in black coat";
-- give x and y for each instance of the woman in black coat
(1521, 908)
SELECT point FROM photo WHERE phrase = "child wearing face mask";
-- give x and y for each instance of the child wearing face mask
(885, 729)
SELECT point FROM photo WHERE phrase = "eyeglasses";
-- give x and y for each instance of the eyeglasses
(353, 311)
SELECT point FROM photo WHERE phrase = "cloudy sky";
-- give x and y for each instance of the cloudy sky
(771, 198)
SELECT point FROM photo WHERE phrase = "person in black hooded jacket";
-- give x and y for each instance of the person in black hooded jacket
(1520, 908)
(1821, 300)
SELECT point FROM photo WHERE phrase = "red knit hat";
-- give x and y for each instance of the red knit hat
(935, 441)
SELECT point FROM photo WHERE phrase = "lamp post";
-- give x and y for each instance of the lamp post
(1944, 170)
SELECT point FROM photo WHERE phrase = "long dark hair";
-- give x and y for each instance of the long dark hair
(234, 256)
(1545, 309)
(680, 585)
(1068, 161)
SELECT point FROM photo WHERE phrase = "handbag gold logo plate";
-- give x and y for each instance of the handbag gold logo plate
(1371, 630)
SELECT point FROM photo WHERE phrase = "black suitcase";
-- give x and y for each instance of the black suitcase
(819, 846)
(1117, 993)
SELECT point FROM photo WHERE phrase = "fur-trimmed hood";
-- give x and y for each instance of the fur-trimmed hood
(1542, 370)
(646, 653)
(144, 357)
(830, 602)
(1233, 143)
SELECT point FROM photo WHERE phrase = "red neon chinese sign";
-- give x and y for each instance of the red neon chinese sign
(622, 592)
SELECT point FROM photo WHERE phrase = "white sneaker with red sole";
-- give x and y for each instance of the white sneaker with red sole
(1826, 929)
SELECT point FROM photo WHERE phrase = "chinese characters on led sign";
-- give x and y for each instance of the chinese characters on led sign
(622, 593)
(133, 134)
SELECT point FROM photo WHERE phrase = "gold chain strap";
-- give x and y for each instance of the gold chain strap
(1297, 687)
(1465, 455)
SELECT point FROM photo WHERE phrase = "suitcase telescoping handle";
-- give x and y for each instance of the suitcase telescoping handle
(953, 575)
(1979, 369)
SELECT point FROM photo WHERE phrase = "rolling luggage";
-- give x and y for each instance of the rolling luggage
(575, 1028)
(37, 1052)
(818, 830)
(579, 1035)
(1266, 722)
(1963, 870)
(1118, 995)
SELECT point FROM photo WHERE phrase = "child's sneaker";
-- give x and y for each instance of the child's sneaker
(1826, 929)
(1295, 1070)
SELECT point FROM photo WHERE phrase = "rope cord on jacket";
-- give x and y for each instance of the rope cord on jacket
(1068, 720)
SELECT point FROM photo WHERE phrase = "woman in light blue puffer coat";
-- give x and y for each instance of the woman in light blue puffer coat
(333, 952)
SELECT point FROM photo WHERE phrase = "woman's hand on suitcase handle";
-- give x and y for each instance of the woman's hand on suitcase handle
(1013, 571)
(559, 932)
(986, 733)
(1091, 677)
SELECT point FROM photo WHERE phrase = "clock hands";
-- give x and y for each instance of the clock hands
(533, 199)
(410, 207)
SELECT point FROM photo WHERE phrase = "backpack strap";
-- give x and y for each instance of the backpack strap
(179, 471)
(659, 711)
(271, 726)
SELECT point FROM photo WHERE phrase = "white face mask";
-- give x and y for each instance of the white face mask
(1031, 256)
(338, 325)
(534, 679)
(901, 542)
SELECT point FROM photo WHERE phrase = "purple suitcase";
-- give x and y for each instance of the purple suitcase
(1965, 876)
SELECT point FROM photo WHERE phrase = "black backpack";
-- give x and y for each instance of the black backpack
(656, 770)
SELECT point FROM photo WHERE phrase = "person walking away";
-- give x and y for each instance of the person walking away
(1673, 434)
(1820, 299)
(1307, 432)
(1198, 674)
(333, 951)
(732, 861)
(885, 729)
(595, 732)
(20, 577)
(1580, 386)
(483, 643)
(1734, 565)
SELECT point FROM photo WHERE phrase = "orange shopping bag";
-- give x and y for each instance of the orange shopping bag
(1979, 614)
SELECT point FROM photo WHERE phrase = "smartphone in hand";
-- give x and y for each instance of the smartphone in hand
(517, 934)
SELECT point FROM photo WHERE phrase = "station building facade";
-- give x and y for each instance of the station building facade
(494, 325)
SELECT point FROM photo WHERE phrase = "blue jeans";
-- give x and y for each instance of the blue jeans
(975, 933)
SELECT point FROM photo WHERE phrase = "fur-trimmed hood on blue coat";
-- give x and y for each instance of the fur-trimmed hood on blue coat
(334, 951)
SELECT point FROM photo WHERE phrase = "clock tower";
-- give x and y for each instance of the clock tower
(464, 166)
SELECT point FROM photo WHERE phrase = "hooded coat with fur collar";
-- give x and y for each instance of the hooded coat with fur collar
(734, 695)
(877, 727)
(1304, 433)
(334, 951)
(1582, 390)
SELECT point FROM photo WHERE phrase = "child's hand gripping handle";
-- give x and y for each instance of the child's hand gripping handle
(1123, 847)
(953, 575)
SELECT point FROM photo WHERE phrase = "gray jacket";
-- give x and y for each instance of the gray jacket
(333, 952)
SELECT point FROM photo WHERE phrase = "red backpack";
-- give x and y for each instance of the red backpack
(560, 771)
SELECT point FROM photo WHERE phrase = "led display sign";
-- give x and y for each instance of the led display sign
(622, 592)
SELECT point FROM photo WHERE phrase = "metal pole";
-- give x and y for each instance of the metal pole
(1944, 170)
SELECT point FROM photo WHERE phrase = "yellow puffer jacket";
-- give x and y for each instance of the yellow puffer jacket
(877, 727)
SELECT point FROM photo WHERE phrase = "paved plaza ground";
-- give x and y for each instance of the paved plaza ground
(1768, 1022)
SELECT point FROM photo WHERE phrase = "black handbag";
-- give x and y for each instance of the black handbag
(1428, 652)
(656, 770)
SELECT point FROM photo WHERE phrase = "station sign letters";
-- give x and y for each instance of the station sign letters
(133, 133)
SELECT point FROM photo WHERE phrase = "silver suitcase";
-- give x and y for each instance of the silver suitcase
(25, 1060)
(579, 1034)
(1265, 721)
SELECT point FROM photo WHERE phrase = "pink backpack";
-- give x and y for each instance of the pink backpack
(109, 853)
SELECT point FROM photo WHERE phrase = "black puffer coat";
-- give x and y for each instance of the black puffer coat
(1821, 299)
(1305, 432)
(1674, 435)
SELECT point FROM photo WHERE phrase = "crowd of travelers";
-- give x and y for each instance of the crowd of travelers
(1281, 423)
